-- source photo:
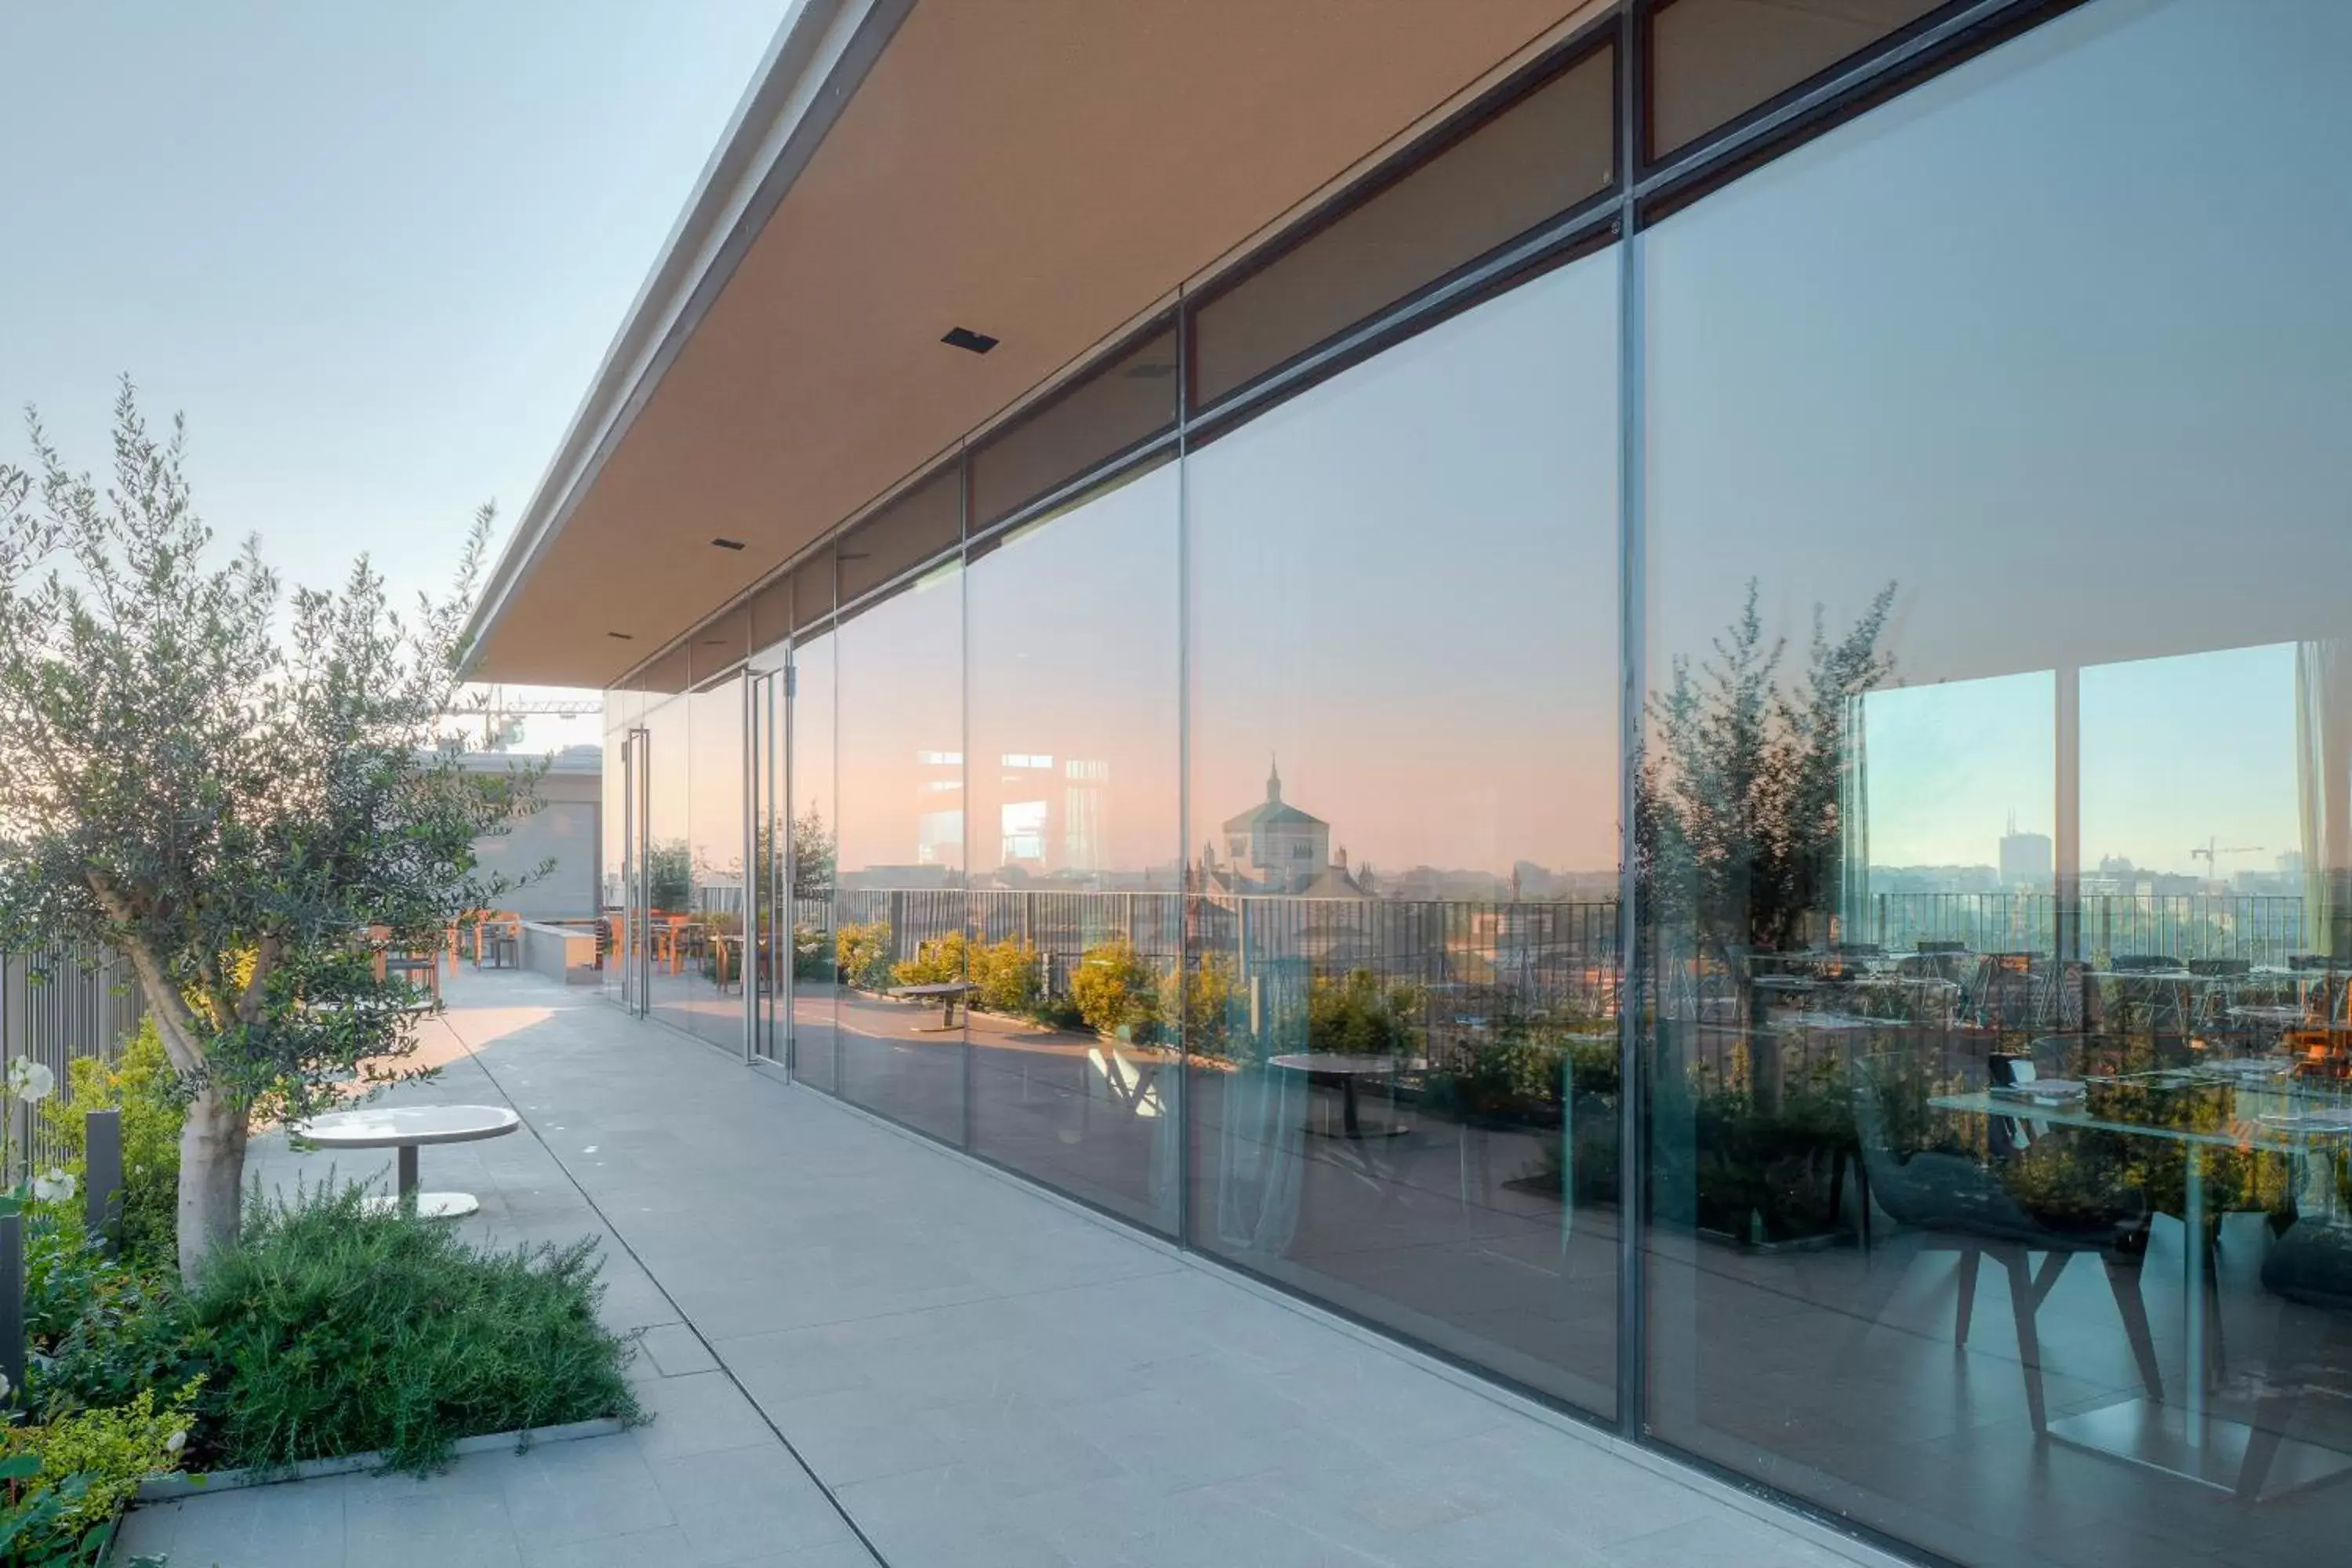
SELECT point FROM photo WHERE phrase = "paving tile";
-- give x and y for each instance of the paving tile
(582, 1490)
(747, 1501)
(1720, 1538)
(675, 1350)
(856, 1435)
(704, 1414)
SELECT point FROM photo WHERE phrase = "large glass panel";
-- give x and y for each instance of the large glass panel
(1403, 783)
(816, 962)
(711, 944)
(1713, 60)
(1532, 161)
(1993, 824)
(1074, 846)
(898, 889)
(675, 985)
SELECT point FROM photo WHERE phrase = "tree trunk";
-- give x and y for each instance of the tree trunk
(212, 1177)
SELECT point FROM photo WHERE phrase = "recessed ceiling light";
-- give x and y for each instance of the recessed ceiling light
(622, 635)
(965, 338)
(727, 544)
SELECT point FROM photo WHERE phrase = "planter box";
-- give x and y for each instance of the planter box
(172, 1488)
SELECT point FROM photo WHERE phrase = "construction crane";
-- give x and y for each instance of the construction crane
(2212, 851)
(498, 712)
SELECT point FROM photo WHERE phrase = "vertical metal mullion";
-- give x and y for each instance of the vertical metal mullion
(784, 885)
(630, 934)
(748, 733)
(963, 721)
(1185, 956)
(1632, 1087)
(641, 777)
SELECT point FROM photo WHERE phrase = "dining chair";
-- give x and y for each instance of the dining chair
(1957, 1203)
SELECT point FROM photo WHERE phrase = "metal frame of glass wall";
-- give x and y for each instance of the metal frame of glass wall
(1642, 191)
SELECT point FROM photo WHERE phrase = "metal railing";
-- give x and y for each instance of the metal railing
(2265, 928)
(56, 1007)
(1465, 955)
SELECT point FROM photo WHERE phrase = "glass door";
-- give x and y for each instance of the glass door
(767, 998)
(637, 750)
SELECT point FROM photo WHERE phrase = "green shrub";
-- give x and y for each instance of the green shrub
(31, 1506)
(862, 951)
(936, 962)
(142, 1086)
(1204, 1007)
(1117, 992)
(102, 1328)
(339, 1328)
(1362, 1015)
(113, 1449)
(1007, 974)
(813, 955)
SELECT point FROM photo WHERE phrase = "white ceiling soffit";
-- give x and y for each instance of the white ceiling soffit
(1042, 171)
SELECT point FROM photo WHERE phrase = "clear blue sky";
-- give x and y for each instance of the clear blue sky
(375, 253)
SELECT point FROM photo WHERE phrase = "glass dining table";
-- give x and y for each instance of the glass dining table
(2246, 1105)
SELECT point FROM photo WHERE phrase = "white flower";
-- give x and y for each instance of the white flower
(5, 1386)
(54, 1187)
(31, 1081)
(176, 1442)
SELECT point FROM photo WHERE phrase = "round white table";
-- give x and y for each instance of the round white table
(1348, 1070)
(407, 1127)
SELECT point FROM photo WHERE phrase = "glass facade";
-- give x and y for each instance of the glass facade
(1730, 812)
(1071, 670)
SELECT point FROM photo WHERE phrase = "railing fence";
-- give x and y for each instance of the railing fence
(56, 1006)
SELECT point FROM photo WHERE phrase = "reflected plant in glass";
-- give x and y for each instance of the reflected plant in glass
(1738, 818)
(669, 876)
(1364, 1014)
(1117, 992)
(862, 951)
(1007, 974)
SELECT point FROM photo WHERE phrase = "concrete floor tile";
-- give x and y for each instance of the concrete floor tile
(675, 1350)
(583, 1490)
(745, 1502)
(703, 1414)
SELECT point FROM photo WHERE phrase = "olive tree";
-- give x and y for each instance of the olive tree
(241, 789)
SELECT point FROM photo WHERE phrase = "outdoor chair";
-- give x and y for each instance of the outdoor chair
(2309, 1269)
(1954, 1203)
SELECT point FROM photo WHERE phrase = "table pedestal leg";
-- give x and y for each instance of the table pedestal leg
(1349, 1121)
(2196, 1263)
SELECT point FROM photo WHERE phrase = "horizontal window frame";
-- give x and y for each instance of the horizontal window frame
(1523, 83)
(1901, 60)
(1587, 230)
(1105, 475)
(1096, 364)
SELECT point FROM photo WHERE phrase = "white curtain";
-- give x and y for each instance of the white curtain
(2323, 734)
(1856, 917)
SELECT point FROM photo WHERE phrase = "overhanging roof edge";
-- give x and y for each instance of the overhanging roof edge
(819, 56)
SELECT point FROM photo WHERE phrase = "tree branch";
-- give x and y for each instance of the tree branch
(265, 961)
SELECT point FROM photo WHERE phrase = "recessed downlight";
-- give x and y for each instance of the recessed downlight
(965, 338)
(727, 544)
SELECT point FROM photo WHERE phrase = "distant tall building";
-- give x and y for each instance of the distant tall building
(2026, 858)
(1276, 845)
(1086, 827)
